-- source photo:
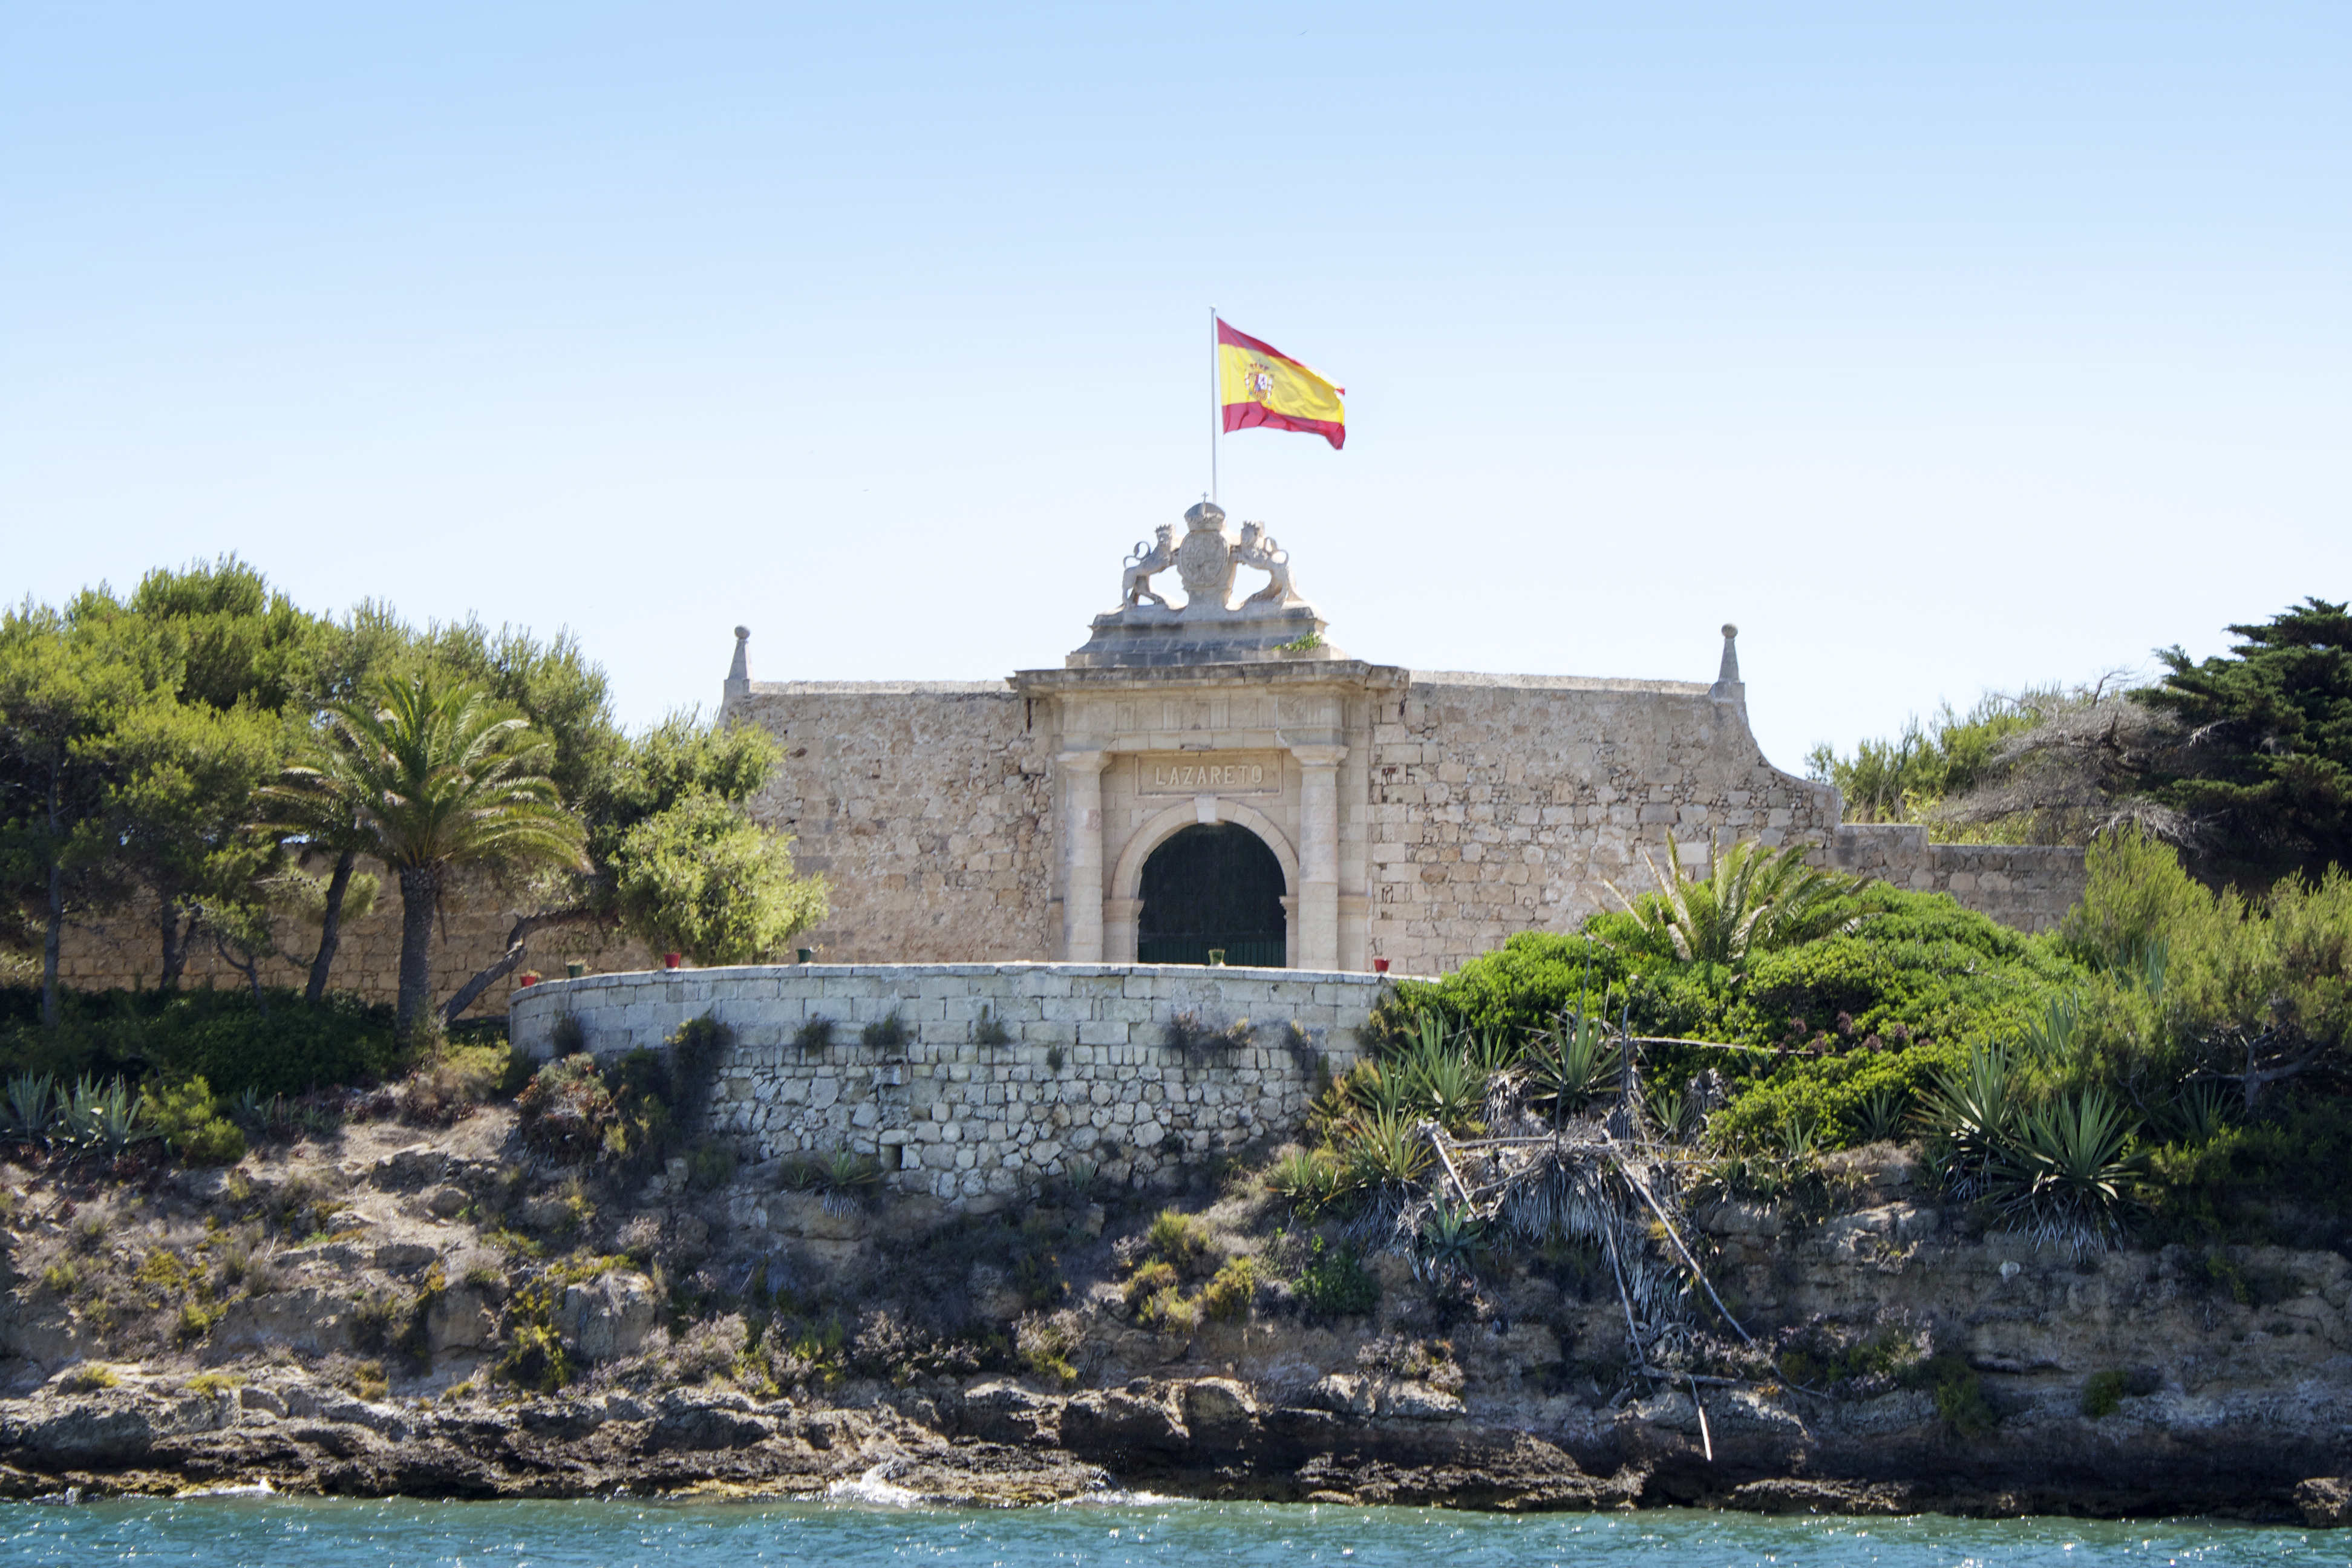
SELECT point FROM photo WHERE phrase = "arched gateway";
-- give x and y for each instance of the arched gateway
(1215, 890)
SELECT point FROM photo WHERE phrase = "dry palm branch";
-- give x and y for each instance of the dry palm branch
(1591, 1178)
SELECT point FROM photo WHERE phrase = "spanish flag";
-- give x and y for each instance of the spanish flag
(1260, 384)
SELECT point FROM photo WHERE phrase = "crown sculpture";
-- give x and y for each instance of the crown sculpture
(1208, 627)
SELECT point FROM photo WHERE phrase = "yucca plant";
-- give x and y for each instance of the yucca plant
(1370, 1091)
(1974, 1108)
(2198, 1112)
(1669, 1109)
(849, 1176)
(2062, 1176)
(2049, 1040)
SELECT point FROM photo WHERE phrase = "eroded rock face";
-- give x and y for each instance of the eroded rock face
(460, 1319)
(608, 1317)
(309, 1321)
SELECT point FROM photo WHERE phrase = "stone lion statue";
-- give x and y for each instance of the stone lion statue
(1258, 549)
(1143, 564)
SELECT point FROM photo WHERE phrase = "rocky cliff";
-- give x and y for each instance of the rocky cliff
(380, 1309)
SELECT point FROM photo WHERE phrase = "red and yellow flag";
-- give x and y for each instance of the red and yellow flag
(1261, 385)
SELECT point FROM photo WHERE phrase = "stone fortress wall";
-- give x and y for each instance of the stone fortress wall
(1420, 818)
(1469, 808)
(125, 951)
(1084, 1072)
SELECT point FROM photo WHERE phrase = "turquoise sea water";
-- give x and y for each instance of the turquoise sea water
(310, 1533)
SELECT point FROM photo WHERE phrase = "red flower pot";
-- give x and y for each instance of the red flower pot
(670, 959)
(1379, 966)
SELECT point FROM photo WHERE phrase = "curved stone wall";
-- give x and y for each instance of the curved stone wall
(1084, 1069)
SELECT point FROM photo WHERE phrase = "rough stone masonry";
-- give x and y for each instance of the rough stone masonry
(1417, 817)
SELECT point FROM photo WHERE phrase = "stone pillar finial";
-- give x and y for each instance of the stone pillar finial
(1728, 687)
(738, 673)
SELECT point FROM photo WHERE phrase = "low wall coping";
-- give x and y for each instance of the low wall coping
(894, 971)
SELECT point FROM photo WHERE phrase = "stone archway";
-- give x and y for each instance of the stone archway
(1123, 909)
(1213, 892)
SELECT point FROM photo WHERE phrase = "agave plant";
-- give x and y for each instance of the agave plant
(1383, 1153)
(250, 1108)
(1753, 900)
(1974, 1108)
(1371, 1091)
(1443, 1085)
(2198, 1112)
(1571, 1064)
(116, 1115)
(31, 1106)
(849, 1176)
(1797, 1139)
(2062, 1176)
(76, 1113)
(1451, 1243)
(1879, 1118)
(1309, 1178)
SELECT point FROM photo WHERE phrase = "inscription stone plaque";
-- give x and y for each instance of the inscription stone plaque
(1210, 772)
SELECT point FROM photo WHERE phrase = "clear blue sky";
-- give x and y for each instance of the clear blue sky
(1942, 348)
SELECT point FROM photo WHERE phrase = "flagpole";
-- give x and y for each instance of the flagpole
(1214, 422)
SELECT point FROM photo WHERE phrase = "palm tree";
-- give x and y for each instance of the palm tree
(1753, 900)
(434, 778)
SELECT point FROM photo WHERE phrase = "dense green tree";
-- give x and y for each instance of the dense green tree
(674, 858)
(440, 778)
(241, 642)
(68, 683)
(692, 872)
(180, 815)
(2266, 776)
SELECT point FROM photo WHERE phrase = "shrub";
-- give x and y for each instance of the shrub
(1226, 1298)
(885, 1034)
(990, 1030)
(1188, 1034)
(1178, 1239)
(219, 1036)
(693, 1053)
(1334, 1284)
(90, 1377)
(565, 1111)
(814, 1036)
(1151, 1277)
(2102, 1394)
(1959, 1393)
(1045, 1343)
(187, 1117)
(1167, 1311)
(710, 1163)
